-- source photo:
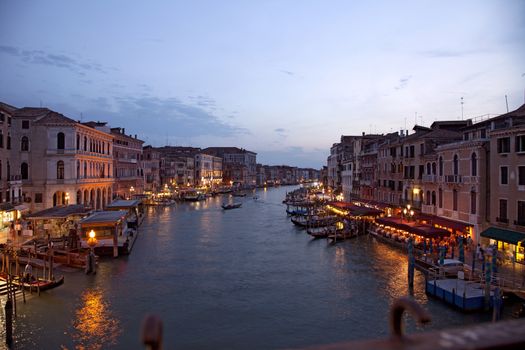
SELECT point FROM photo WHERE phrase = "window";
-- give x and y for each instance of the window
(455, 200)
(440, 198)
(85, 143)
(25, 124)
(412, 151)
(24, 144)
(433, 197)
(60, 170)
(440, 166)
(428, 168)
(38, 197)
(9, 120)
(521, 213)
(473, 165)
(520, 143)
(422, 149)
(456, 164)
(428, 198)
(61, 140)
(24, 171)
(1, 139)
(504, 145)
(433, 168)
(8, 146)
(2, 117)
(521, 176)
(483, 133)
(502, 211)
(78, 141)
(473, 202)
(504, 175)
(78, 169)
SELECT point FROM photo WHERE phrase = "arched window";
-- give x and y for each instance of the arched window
(85, 169)
(474, 165)
(440, 198)
(433, 168)
(428, 169)
(60, 170)
(78, 169)
(79, 197)
(456, 164)
(24, 171)
(428, 197)
(85, 143)
(8, 140)
(24, 144)
(433, 197)
(440, 166)
(61, 140)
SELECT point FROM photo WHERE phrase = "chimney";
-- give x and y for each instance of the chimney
(363, 133)
(124, 131)
(135, 135)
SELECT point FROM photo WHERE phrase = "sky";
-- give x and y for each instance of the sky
(284, 79)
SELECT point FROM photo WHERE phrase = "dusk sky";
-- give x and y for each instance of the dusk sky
(281, 78)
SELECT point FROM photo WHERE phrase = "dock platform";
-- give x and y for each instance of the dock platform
(465, 295)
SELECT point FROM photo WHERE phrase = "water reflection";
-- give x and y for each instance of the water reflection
(95, 326)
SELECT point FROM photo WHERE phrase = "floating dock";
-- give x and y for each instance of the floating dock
(465, 295)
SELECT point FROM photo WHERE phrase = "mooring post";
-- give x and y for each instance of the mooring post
(9, 322)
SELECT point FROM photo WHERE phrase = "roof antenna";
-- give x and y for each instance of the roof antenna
(507, 103)
(462, 108)
(81, 117)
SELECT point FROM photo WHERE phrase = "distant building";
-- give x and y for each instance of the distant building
(208, 170)
(152, 164)
(239, 166)
(128, 160)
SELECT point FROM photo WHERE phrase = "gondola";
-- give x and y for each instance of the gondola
(37, 284)
(231, 206)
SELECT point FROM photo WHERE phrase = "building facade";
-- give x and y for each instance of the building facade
(128, 164)
(62, 161)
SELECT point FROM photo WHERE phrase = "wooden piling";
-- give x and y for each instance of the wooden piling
(9, 323)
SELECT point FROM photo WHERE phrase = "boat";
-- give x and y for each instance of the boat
(231, 206)
(194, 196)
(36, 284)
(238, 194)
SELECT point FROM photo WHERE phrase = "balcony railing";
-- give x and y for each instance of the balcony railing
(519, 222)
(502, 220)
(430, 178)
(455, 179)
(471, 180)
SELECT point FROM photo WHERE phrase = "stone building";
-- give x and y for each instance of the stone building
(66, 161)
(128, 164)
(239, 166)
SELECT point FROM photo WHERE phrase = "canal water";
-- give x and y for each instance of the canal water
(236, 279)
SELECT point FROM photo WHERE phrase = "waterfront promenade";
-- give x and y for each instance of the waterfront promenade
(238, 279)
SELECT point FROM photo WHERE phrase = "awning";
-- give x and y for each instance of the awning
(22, 207)
(413, 227)
(356, 210)
(445, 222)
(499, 234)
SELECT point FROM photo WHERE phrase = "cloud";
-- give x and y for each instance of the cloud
(160, 118)
(52, 59)
(287, 72)
(403, 82)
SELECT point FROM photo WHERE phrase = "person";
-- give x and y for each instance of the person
(28, 273)
(478, 252)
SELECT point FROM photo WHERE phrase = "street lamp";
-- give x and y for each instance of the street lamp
(92, 242)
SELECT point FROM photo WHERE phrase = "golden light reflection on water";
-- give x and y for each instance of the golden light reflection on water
(95, 326)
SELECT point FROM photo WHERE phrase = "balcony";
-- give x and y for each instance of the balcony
(453, 179)
(430, 178)
(428, 209)
(502, 220)
(519, 222)
(472, 180)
